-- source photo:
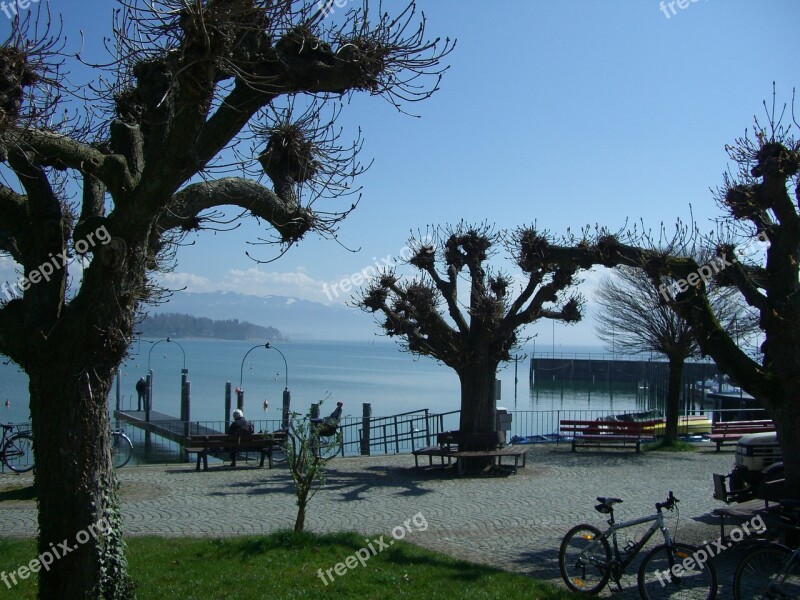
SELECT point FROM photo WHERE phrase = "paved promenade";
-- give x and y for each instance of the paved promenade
(514, 522)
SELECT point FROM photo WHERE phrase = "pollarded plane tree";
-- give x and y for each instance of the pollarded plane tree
(757, 254)
(115, 173)
(475, 334)
(761, 208)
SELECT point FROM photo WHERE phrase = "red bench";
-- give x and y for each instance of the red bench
(607, 433)
(730, 432)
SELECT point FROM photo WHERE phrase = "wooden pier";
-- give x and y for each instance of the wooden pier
(165, 426)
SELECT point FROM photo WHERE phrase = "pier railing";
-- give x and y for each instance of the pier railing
(404, 432)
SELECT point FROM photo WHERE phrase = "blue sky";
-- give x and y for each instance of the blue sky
(564, 113)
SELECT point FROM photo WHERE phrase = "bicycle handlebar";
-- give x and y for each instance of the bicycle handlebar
(669, 504)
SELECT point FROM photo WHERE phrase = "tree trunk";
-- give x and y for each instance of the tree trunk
(300, 521)
(477, 397)
(478, 413)
(76, 483)
(786, 416)
(673, 404)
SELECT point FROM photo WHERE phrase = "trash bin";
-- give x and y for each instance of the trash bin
(503, 423)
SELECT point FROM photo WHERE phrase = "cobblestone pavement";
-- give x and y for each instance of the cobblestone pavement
(513, 522)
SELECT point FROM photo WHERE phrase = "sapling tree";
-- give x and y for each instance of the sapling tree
(310, 444)
(202, 105)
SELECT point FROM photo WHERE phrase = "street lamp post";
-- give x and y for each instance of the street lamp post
(287, 396)
(286, 393)
(184, 372)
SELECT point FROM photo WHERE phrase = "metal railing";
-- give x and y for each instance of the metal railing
(400, 433)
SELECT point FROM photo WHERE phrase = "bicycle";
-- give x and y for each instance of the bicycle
(587, 561)
(16, 450)
(771, 571)
(121, 448)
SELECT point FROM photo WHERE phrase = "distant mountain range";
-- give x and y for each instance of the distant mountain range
(295, 318)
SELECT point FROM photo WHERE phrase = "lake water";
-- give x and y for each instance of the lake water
(380, 373)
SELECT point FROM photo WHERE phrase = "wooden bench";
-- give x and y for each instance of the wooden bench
(454, 444)
(607, 433)
(202, 445)
(731, 432)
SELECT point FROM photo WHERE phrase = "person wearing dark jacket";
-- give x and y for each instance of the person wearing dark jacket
(240, 426)
(141, 390)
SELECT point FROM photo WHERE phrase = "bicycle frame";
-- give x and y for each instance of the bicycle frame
(625, 557)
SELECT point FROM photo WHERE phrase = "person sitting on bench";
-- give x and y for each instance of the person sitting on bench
(240, 426)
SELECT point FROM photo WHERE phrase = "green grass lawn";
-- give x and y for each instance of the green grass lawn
(285, 566)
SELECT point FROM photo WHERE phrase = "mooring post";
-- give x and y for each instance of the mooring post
(119, 392)
(240, 399)
(148, 407)
(227, 418)
(186, 412)
(365, 425)
(185, 405)
(287, 400)
(314, 412)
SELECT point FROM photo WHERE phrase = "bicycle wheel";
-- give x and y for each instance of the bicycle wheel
(761, 574)
(583, 559)
(121, 449)
(18, 453)
(673, 573)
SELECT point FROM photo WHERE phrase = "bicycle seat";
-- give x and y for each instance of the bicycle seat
(609, 501)
(606, 504)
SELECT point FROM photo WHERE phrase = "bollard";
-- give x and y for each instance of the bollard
(186, 415)
(119, 394)
(227, 418)
(287, 400)
(148, 405)
(365, 424)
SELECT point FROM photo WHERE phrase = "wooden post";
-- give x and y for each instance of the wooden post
(186, 404)
(147, 408)
(314, 412)
(365, 424)
(240, 399)
(119, 392)
(227, 418)
(287, 400)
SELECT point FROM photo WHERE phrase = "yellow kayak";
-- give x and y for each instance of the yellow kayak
(692, 424)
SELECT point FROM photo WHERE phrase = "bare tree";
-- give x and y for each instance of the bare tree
(205, 104)
(636, 318)
(475, 336)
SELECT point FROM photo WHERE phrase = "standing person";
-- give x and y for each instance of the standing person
(141, 390)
